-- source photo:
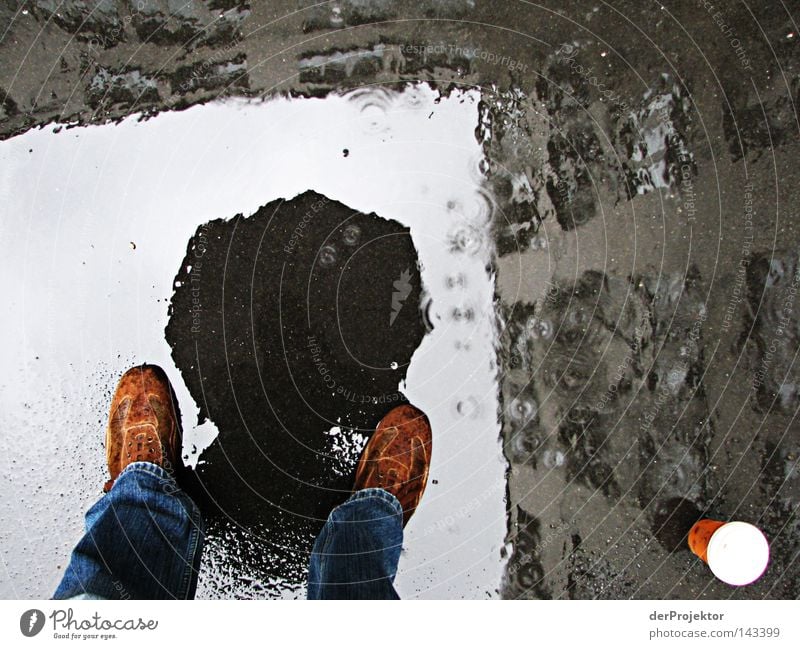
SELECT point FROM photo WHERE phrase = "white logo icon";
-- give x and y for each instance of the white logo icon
(402, 289)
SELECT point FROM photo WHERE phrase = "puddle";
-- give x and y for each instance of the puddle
(292, 329)
(96, 226)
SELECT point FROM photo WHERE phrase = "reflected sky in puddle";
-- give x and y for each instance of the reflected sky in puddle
(96, 222)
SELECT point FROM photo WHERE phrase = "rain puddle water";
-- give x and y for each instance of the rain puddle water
(94, 225)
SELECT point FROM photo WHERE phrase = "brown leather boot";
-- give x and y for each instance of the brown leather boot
(142, 425)
(397, 457)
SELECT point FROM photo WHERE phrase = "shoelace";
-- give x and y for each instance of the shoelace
(145, 450)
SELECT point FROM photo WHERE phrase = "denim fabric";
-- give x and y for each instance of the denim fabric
(356, 554)
(143, 540)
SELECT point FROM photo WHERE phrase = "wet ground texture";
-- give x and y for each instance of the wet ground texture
(641, 160)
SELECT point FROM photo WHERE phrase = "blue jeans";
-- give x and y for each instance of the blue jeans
(355, 555)
(144, 539)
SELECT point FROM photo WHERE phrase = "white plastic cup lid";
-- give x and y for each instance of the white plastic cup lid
(738, 553)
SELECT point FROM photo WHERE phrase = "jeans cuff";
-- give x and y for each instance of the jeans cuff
(146, 467)
(381, 494)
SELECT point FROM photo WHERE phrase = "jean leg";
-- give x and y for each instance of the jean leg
(356, 554)
(143, 540)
